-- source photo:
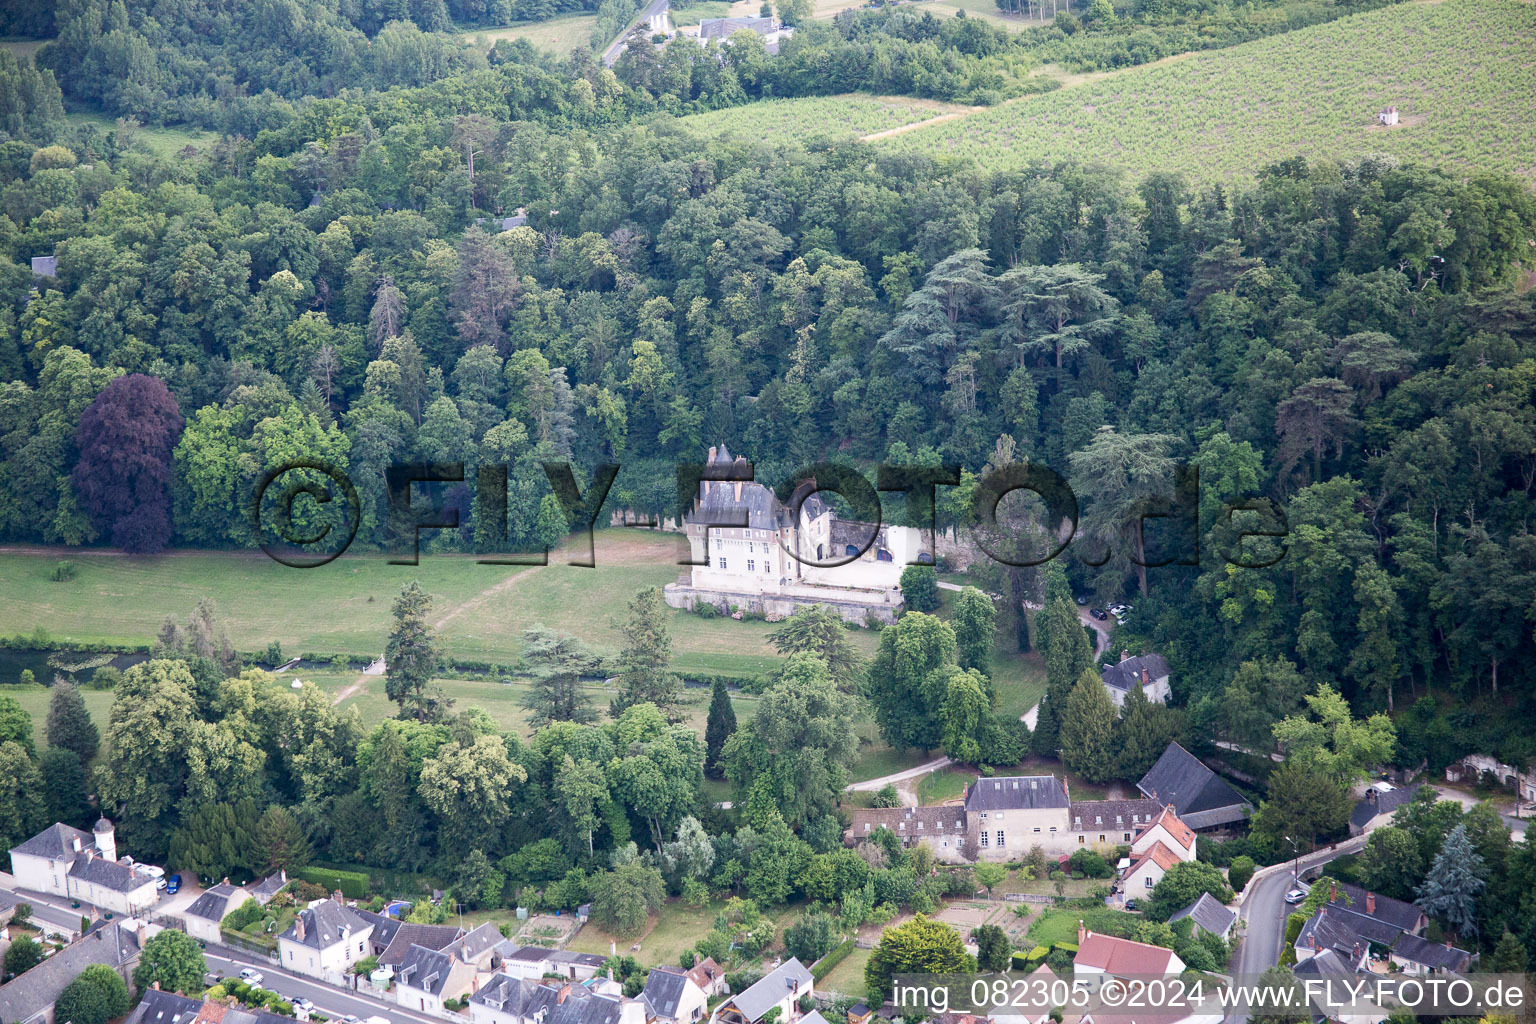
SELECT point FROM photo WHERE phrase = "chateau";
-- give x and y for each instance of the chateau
(768, 559)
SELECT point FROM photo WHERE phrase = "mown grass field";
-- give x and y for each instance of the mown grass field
(163, 142)
(1462, 74)
(852, 115)
(557, 35)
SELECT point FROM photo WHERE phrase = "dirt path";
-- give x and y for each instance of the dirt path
(940, 119)
(485, 595)
(898, 779)
(350, 690)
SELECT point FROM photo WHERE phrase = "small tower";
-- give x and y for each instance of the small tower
(1388, 117)
(106, 838)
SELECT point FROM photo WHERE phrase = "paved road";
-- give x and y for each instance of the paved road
(1264, 911)
(874, 785)
(651, 9)
(330, 1000)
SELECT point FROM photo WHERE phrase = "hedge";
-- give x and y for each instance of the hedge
(353, 884)
(823, 967)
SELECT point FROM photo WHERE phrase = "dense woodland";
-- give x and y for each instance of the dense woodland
(1341, 346)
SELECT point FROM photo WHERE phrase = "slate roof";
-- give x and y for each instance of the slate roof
(1123, 675)
(1208, 915)
(1385, 803)
(502, 992)
(159, 1007)
(719, 502)
(594, 1009)
(565, 956)
(664, 988)
(1198, 795)
(478, 942)
(1324, 964)
(1116, 814)
(109, 873)
(271, 885)
(1122, 956)
(57, 842)
(425, 969)
(1398, 913)
(814, 1017)
(29, 995)
(214, 903)
(323, 924)
(1338, 928)
(908, 821)
(429, 936)
(763, 996)
(1015, 793)
(1436, 955)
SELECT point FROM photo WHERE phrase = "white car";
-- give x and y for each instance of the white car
(251, 976)
(161, 884)
(1295, 896)
(303, 1004)
(152, 870)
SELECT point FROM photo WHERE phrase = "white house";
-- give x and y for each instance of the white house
(672, 997)
(203, 915)
(1148, 671)
(782, 988)
(1148, 869)
(1168, 830)
(428, 976)
(1104, 956)
(82, 866)
(29, 997)
(324, 941)
(534, 962)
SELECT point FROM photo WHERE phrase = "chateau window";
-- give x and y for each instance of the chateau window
(1053, 830)
(1101, 838)
(883, 555)
(1081, 840)
(1000, 838)
(1127, 837)
(851, 549)
(722, 561)
(751, 565)
(919, 825)
(1037, 830)
(983, 839)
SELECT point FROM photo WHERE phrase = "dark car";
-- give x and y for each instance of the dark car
(173, 885)
(1098, 613)
(1130, 904)
(1081, 599)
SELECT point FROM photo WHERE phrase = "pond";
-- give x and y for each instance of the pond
(13, 660)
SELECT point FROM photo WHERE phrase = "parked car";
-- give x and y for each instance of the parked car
(161, 884)
(1130, 904)
(1295, 896)
(251, 976)
(153, 870)
(1098, 613)
(303, 1004)
(348, 1018)
(173, 884)
(1081, 599)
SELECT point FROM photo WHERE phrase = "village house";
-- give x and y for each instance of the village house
(534, 962)
(781, 988)
(1148, 671)
(159, 1007)
(29, 997)
(202, 917)
(756, 553)
(1104, 824)
(268, 887)
(672, 997)
(1201, 798)
(1007, 816)
(65, 861)
(1361, 927)
(325, 940)
(426, 977)
(1104, 956)
(478, 947)
(1208, 916)
(1381, 801)
(710, 977)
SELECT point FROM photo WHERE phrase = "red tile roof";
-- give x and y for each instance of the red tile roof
(1159, 855)
(1181, 833)
(1122, 956)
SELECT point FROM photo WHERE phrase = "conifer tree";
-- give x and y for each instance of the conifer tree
(1451, 888)
(411, 655)
(69, 723)
(1087, 729)
(643, 675)
(719, 728)
(1144, 731)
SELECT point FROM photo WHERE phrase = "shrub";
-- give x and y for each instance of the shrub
(919, 585)
(353, 884)
(705, 610)
(64, 571)
(823, 967)
(1240, 873)
(811, 937)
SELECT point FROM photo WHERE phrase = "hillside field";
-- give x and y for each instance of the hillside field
(557, 35)
(1462, 73)
(850, 115)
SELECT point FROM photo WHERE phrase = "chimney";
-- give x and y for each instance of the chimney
(1333, 890)
(1370, 903)
(565, 990)
(1082, 933)
(155, 985)
(283, 874)
(1357, 952)
(1125, 655)
(1146, 677)
(298, 927)
(338, 897)
(1448, 944)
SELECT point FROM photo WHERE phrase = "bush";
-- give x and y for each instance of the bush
(919, 585)
(1240, 873)
(823, 967)
(352, 884)
(811, 937)
(1090, 864)
(886, 797)
(705, 610)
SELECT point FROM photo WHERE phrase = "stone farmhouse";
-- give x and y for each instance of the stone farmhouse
(65, 861)
(1148, 671)
(754, 552)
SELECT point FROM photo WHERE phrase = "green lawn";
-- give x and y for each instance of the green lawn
(163, 142)
(695, 13)
(34, 700)
(945, 784)
(852, 115)
(1460, 73)
(557, 35)
(1061, 925)
(21, 49)
(676, 928)
(481, 610)
(847, 978)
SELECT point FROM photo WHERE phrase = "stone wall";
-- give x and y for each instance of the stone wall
(776, 607)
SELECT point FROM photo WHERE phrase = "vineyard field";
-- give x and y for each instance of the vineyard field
(850, 115)
(1461, 73)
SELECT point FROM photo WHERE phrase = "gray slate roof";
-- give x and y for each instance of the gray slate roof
(774, 986)
(1197, 795)
(663, 991)
(430, 936)
(324, 923)
(594, 1009)
(1018, 792)
(1115, 813)
(1434, 955)
(271, 885)
(109, 873)
(1127, 673)
(29, 995)
(425, 969)
(1384, 803)
(479, 941)
(56, 841)
(1339, 928)
(159, 1007)
(1208, 915)
(1399, 914)
(216, 902)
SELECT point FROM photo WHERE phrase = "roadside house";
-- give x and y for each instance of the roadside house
(1104, 956)
(203, 915)
(29, 997)
(64, 861)
(782, 988)
(426, 977)
(324, 941)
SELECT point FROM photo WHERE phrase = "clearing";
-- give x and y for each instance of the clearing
(557, 35)
(1462, 74)
(852, 115)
